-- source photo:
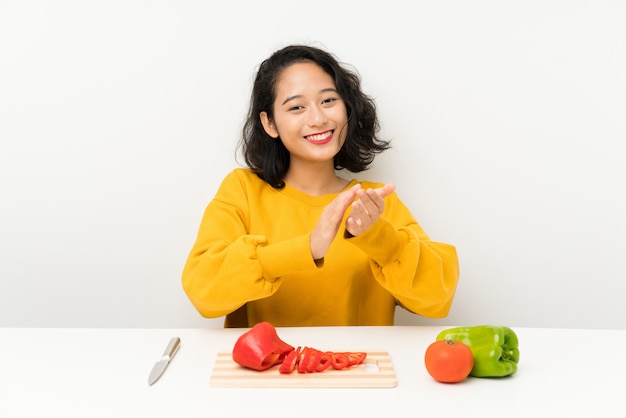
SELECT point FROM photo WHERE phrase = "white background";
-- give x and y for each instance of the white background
(118, 120)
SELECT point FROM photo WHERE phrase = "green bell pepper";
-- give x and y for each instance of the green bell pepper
(495, 348)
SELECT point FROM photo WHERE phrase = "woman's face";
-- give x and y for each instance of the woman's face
(310, 118)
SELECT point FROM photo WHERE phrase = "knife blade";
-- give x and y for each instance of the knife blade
(160, 366)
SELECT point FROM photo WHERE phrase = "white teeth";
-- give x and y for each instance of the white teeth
(319, 137)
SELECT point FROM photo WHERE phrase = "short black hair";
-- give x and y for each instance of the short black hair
(268, 157)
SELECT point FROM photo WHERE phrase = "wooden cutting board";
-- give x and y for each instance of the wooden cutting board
(376, 372)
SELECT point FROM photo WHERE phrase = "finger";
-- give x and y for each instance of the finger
(376, 199)
(372, 203)
(359, 211)
(359, 204)
(352, 226)
(345, 198)
(336, 209)
(386, 190)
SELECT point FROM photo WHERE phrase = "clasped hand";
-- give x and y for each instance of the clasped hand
(367, 206)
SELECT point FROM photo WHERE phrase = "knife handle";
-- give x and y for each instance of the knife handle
(172, 347)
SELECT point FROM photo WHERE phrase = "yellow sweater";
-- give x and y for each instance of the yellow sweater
(252, 252)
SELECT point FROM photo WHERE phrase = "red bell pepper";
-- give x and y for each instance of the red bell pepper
(314, 360)
(260, 348)
(290, 362)
(356, 358)
(304, 358)
(325, 362)
(340, 361)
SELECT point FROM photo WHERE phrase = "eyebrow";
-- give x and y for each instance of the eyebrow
(329, 89)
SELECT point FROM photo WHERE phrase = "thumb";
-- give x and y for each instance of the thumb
(386, 190)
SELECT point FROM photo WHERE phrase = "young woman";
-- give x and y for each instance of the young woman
(288, 240)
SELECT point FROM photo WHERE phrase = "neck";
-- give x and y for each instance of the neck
(315, 182)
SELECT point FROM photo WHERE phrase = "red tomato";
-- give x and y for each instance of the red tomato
(448, 361)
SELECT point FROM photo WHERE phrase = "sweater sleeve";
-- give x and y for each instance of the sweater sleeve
(422, 275)
(227, 267)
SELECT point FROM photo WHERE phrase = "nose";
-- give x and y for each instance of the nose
(316, 116)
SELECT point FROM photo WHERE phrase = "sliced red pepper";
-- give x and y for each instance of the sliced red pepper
(340, 361)
(303, 359)
(260, 348)
(356, 358)
(290, 362)
(326, 360)
(314, 360)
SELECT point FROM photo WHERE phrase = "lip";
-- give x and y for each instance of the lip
(320, 141)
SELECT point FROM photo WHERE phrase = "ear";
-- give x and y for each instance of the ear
(268, 125)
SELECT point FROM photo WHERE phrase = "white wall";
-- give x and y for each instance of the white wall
(118, 120)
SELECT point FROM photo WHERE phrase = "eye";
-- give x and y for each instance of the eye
(330, 101)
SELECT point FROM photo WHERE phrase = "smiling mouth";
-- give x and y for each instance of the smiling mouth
(320, 138)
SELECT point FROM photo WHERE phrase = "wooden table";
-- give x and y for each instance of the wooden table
(103, 373)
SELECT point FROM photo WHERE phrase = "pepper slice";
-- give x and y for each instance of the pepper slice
(340, 361)
(303, 359)
(495, 348)
(355, 358)
(314, 360)
(260, 348)
(326, 360)
(290, 362)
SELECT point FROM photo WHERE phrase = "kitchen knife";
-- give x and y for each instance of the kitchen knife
(160, 366)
